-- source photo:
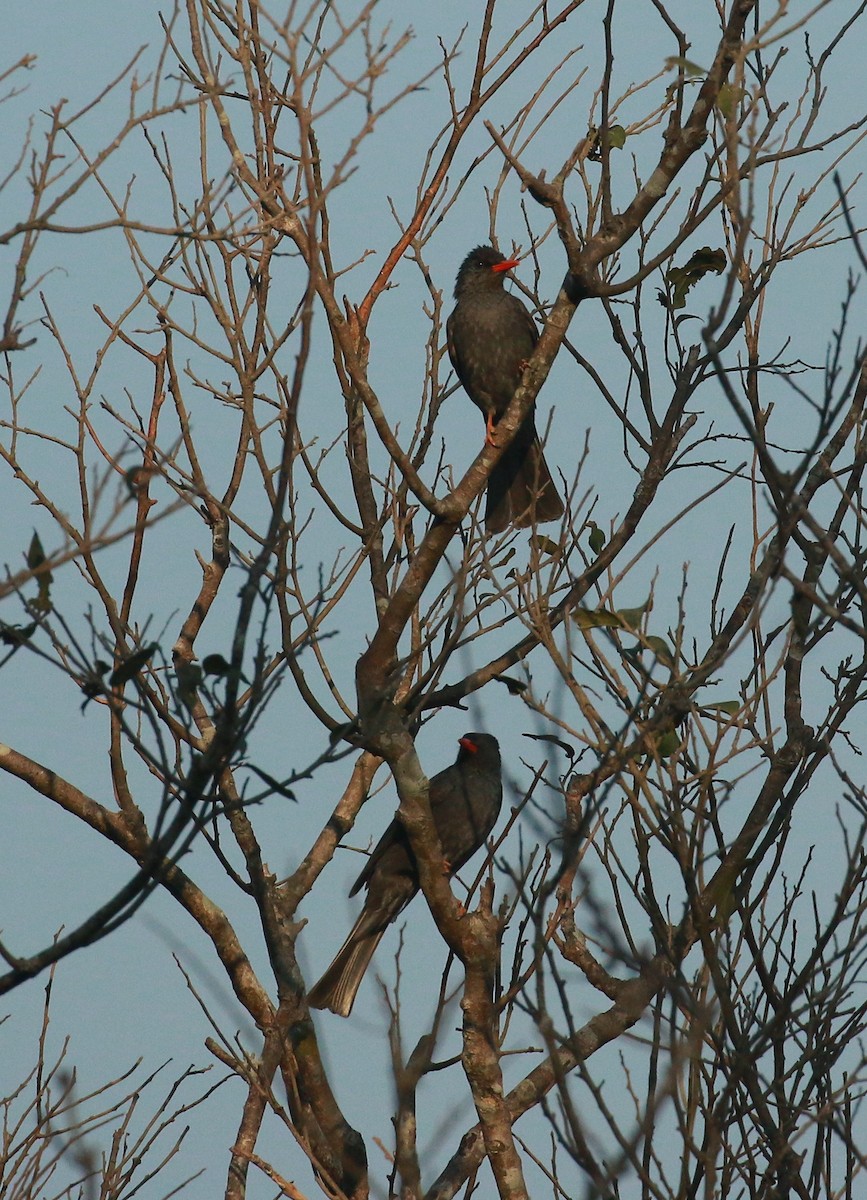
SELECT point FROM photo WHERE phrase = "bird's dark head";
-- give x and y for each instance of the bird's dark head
(483, 269)
(480, 748)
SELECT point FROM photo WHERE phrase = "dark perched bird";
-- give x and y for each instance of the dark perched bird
(465, 801)
(491, 336)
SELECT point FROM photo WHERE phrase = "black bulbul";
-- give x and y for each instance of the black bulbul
(491, 335)
(465, 802)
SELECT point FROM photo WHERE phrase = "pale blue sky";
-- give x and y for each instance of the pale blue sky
(125, 998)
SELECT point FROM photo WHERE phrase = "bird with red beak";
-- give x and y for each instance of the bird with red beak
(465, 802)
(491, 335)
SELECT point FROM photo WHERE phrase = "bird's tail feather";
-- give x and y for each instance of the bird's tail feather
(521, 491)
(337, 988)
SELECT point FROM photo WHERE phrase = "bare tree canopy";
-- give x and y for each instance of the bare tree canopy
(252, 602)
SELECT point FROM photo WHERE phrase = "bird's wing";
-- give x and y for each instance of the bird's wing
(452, 348)
(394, 845)
(394, 840)
(527, 317)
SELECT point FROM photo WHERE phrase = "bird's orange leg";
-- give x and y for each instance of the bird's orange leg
(490, 425)
(447, 871)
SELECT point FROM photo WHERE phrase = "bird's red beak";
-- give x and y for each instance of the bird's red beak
(506, 266)
(468, 744)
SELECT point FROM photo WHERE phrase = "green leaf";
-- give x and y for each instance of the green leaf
(690, 69)
(35, 553)
(728, 99)
(514, 686)
(729, 707)
(681, 280)
(667, 744)
(131, 666)
(137, 479)
(614, 138)
(90, 689)
(189, 676)
(215, 664)
(554, 741)
(16, 635)
(597, 538)
(276, 786)
(631, 618)
(42, 603)
(545, 545)
(725, 904)
(660, 648)
(586, 618)
(36, 561)
(92, 685)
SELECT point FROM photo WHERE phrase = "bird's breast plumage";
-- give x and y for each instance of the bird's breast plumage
(491, 337)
